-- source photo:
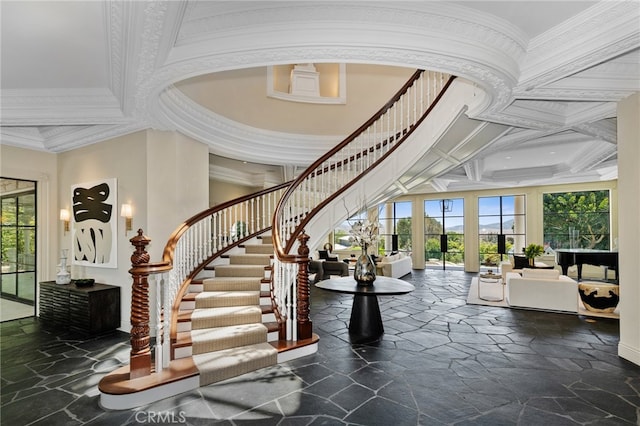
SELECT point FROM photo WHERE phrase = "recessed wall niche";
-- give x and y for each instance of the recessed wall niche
(307, 82)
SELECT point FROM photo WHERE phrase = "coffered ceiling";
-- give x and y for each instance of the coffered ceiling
(548, 76)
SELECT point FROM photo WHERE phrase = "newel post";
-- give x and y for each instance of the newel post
(302, 312)
(140, 359)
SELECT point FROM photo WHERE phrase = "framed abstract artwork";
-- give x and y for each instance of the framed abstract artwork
(94, 223)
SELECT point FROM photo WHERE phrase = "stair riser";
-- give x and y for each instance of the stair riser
(187, 326)
(259, 249)
(225, 321)
(262, 260)
(240, 271)
(229, 342)
(222, 302)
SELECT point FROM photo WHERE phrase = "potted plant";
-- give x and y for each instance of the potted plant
(532, 251)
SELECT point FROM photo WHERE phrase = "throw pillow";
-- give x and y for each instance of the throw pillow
(520, 262)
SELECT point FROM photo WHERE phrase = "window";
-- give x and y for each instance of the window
(501, 227)
(395, 227)
(577, 220)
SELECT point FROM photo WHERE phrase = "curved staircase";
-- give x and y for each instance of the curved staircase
(228, 301)
(226, 322)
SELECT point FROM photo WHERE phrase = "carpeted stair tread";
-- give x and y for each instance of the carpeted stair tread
(222, 365)
(232, 283)
(219, 338)
(225, 316)
(250, 259)
(218, 299)
(239, 271)
(258, 249)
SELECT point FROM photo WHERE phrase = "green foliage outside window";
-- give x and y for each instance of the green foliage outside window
(403, 229)
(585, 212)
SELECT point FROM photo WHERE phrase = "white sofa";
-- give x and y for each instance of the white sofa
(542, 289)
(395, 266)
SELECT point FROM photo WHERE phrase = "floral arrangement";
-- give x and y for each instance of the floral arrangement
(364, 233)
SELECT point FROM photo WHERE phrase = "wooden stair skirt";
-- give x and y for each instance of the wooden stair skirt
(226, 328)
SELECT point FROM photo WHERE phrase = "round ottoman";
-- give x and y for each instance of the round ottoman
(599, 297)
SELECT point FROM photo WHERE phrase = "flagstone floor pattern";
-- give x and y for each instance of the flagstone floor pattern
(440, 362)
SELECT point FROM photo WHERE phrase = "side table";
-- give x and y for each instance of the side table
(365, 323)
(490, 279)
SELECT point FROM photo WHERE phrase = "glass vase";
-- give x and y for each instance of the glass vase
(365, 270)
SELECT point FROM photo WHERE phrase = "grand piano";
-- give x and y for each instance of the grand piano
(570, 257)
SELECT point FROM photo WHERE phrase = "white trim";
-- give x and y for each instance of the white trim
(297, 353)
(138, 399)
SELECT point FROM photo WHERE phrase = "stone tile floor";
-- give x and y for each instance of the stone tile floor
(440, 362)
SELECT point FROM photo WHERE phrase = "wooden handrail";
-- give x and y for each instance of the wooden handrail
(205, 236)
(200, 239)
(347, 163)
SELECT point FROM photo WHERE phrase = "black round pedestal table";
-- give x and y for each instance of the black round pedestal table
(365, 324)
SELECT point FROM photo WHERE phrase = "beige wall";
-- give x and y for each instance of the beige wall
(177, 178)
(232, 94)
(629, 240)
(162, 174)
(220, 192)
(122, 158)
(43, 168)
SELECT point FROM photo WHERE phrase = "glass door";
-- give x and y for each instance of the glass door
(501, 228)
(444, 233)
(18, 246)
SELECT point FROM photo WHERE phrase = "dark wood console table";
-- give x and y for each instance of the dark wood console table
(365, 324)
(91, 310)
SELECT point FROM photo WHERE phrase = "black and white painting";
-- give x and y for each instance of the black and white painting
(94, 223)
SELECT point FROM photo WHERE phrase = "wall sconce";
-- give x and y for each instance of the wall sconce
(65, 217)
(127, 213)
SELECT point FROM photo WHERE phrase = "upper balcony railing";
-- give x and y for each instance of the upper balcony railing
(330, 176)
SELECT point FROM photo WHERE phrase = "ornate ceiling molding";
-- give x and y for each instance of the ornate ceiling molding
(602, 32)
(595, 155)
(422, 35)
(231, 139)
(605, 130)
(37, 107)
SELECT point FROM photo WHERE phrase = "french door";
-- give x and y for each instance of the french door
(18, 246)
(444, 233)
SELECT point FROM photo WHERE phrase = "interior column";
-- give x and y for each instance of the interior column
(629, 237)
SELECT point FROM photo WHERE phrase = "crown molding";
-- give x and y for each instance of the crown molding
(605, 130)
(604, 31)
(22, 137)
(60, 107)
(230, 139)
(595, 155)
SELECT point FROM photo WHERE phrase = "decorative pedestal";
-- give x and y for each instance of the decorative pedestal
(599, 297)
